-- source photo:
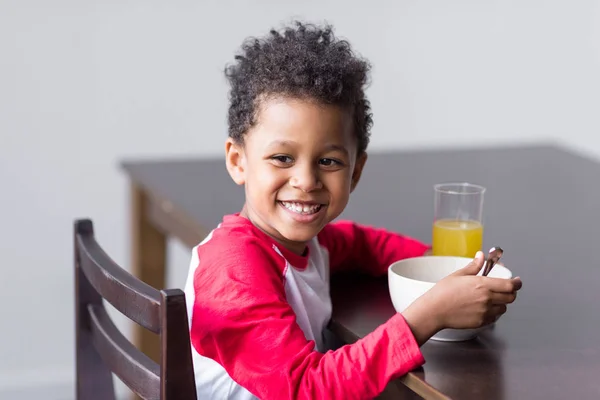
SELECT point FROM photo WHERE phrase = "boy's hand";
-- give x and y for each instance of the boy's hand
(461, 300)
(465, 300)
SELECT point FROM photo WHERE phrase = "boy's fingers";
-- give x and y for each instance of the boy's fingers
(494, 313)
(503, 298)
(501, 285)
(499, 309)
(518, 283)
(473, 267)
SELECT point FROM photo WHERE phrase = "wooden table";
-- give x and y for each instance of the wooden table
(542, 206)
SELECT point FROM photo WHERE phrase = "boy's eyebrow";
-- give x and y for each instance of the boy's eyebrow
(291, 143)
(282, 143)
(338, 147)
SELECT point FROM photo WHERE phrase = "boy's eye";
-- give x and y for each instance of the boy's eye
(329, 162)
(283, 159)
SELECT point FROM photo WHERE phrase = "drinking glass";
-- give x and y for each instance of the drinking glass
(458, 222)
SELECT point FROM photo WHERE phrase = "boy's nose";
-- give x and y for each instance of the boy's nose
(306, 179)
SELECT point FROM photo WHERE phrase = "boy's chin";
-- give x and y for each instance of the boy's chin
(300, 235)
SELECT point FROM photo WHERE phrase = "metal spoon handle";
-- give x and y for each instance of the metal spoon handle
(494, 256)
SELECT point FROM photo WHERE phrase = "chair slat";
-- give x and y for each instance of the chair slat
(94, 378)
(132, 297)
(134, 368)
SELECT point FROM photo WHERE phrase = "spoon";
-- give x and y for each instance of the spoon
(493, 257)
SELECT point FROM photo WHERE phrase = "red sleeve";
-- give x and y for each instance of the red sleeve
(370, 249)
(243, 321)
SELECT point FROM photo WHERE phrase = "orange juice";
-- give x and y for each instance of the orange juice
(456, 238)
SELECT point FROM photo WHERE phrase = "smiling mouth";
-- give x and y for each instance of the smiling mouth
(302, 208)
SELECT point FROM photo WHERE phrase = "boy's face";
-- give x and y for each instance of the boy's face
(298, 164)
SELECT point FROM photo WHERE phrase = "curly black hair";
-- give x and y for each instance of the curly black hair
(303, 61)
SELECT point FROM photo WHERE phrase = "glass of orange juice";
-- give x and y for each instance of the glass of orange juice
(458, 223)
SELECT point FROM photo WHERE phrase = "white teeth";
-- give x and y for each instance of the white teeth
(301, 208)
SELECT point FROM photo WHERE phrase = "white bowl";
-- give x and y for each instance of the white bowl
(410, 278)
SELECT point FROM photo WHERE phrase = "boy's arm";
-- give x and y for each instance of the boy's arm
(373, 250)
(241, 319)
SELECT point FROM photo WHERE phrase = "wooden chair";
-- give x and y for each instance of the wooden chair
(102, 350)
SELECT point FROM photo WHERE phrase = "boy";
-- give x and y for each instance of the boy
(258, 286)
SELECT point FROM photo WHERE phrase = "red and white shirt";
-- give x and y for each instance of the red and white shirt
(257, 313)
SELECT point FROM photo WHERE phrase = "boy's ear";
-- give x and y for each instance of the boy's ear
(235, 160)
(358, 168)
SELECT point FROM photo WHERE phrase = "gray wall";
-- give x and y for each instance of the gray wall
(85, 84)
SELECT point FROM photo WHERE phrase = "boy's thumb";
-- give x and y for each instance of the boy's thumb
(473, 267)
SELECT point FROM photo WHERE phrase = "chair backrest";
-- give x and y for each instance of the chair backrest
(101, 349)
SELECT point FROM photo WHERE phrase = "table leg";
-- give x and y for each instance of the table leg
(149, 253)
